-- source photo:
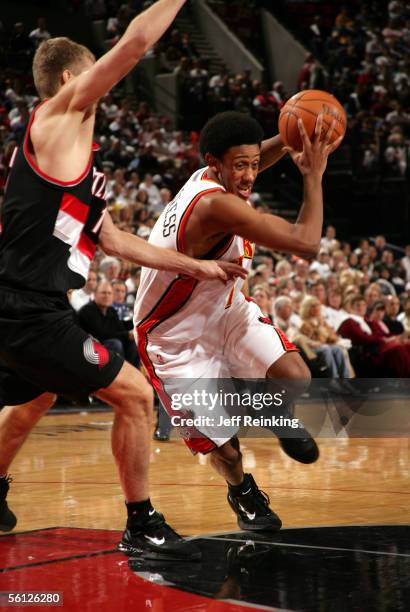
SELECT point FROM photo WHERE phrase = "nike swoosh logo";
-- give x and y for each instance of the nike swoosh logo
(250, 515)
(151, 512)
(157, 541)
(245, 492)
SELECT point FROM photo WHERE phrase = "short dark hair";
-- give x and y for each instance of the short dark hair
(226, 130)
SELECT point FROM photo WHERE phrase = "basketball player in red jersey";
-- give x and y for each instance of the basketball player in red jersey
(188, 332)
(52, 219)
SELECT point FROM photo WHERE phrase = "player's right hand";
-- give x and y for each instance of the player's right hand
(219, 270)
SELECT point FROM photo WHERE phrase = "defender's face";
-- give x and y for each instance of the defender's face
(239, 168)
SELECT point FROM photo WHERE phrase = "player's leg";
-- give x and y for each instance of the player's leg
(146, 532)
(16, 423)
(131, 399)
(293, 374)
(258, 350)
(250, 504)
(204, 362)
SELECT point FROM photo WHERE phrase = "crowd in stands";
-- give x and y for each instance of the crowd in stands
(348, 310)
(361, 53)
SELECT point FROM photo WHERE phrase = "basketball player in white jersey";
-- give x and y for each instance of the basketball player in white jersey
(189, 331)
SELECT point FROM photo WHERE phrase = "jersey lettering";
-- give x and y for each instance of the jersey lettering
(170, 217)
(99, 184)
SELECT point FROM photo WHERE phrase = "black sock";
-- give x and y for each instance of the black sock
(138, 512)
(240, 489)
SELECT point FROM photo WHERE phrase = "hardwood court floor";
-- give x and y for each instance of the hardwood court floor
(65, 476)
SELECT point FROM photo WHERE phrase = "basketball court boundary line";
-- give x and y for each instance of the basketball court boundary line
(289, 545)
(98, 553)
(18, 533)
(221, 533)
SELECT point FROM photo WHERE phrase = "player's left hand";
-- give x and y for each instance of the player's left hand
(312, 160)
(219, 270)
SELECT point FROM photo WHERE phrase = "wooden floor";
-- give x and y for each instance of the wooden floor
(65, 476)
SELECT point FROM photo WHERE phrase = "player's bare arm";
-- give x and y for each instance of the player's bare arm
(143, 32)
(132, 248)
(62, 130)
(271, 152)
(225, 214)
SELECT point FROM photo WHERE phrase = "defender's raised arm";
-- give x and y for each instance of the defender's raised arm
(143, 32)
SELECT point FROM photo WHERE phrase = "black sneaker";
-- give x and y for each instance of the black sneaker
(161, 435)
(155, 539)
(8, 519)
(297, 443)
(252, 509)
(303, 449)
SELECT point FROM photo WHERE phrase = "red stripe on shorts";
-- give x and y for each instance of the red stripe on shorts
(174, 298)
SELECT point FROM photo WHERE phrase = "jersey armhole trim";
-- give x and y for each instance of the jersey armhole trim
(187, 213)
(38, 170)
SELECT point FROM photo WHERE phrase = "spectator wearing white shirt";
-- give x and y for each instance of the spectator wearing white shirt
(81, 297)
(154, 195)
(177, 147)
(329, 242)
(334, 313)
(321, 264)
(40, 34)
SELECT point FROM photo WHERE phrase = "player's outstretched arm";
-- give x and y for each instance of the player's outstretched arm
(142, 33)
(132, 248)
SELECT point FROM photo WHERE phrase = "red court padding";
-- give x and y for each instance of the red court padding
(101, 582)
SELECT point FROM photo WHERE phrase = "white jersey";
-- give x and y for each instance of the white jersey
(175, 308)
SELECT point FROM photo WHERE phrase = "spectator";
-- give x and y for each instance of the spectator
(404, 317)
(262, 298)
(100, 319)
(323, 340)
(40, 33)
(154, 195)
(334, 313)
(321, 264)
(392, 304)
(329, 242)
(374, 353)
(110, 268)
(80, 297)
(119, 304)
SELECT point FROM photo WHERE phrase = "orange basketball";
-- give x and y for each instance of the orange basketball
(307, 105)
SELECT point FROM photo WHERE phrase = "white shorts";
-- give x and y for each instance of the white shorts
(244, 345)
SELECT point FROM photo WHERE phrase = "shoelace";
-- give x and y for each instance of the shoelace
(158, 522)
(262, 499)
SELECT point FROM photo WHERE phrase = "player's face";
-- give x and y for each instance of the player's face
(239, 169)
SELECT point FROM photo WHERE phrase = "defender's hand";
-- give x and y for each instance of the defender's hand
(219, 270)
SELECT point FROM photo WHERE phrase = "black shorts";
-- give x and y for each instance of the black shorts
(42, 348)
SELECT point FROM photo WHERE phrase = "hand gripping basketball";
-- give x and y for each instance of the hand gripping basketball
(312, 160)
(307, 105)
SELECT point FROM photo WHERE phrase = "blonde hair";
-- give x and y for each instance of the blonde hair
(283, 268)
(306, 306)
(52, 57)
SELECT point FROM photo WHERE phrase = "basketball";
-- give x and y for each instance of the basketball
(308, 105)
